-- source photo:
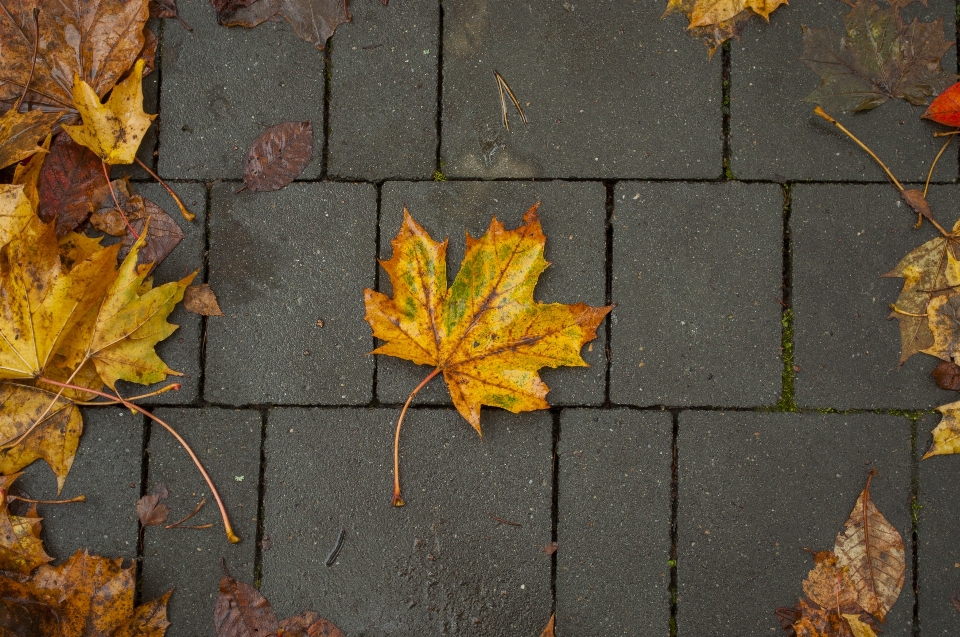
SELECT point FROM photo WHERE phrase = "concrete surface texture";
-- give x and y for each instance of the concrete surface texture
(737, 396)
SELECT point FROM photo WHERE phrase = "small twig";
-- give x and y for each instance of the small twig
(899, 311)
(117, 203)
(332, 557)
(947, 133)
(129, 405)
(819, 111)
(926, 186)
(182, 23)
(502, 521)
(397, 500)
(503, 101)
(79, 498)
(780, 301)
(195, 511)
(513, 98)
(106, 403)
(33, 65)
(189, 216)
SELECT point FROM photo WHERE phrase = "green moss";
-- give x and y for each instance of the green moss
(438, 175)
(787, 397)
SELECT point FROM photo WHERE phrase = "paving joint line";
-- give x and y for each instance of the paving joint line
(327, 82)
(609, 204)
(202, 380)
(915, 523)
(439, 159)
(261, 501)
(674, 516)
(374, 389)
(555, 507)
(787, 400)
(725, 67)
(144, 478)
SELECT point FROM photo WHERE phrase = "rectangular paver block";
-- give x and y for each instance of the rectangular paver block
(223, 87)
(697, 274)
(845, 346)
(107, 471)
(756, 489)
(383, 91)
(938, 552)
(289, 268)
(609, 90)
(440, 565)
(188, 560)
(775, 135)
(613, 526)
(181, 351)
(574, 221)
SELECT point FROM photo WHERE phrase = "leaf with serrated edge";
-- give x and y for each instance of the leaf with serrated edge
(946, 435)
(28, 175)
(21, 549)
(872, 551)
(15, 212)
(707, 12)
(946, 108)
(943, 314)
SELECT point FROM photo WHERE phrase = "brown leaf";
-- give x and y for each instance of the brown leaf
(149, 51)
(150, 509)
(20, 133)
(98, 41)
(309, 624)
(105, 216)
(548, 631)
(241, 611)
(947, 375)
(21, 549)
(201, 300)
(828, 584)
(312, 20)
(167, 9)
(818, 622)
(955, 600)
(163, 235)
(278, 156)
(872, 551)
(68, 179)
(788, 616)
(245, 14)
(551, 548)
(917, 202)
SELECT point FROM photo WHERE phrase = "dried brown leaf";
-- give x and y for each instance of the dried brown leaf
(21, 132)
(201, 300)
(943, 315)
(150, 508)
(955, 599)
(278, 156)
(309, 624)
(871, 550)
(947, 375)
(69, 178)
(241, 611)
(828, 584)
(548, 631)
(163, 236)
(818, 622)
(167, 9)
(312, 20)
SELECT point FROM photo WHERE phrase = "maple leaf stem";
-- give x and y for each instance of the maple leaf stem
(129, 405)
(117, 203)
(822, 113)
(162, 390)
(397, 500)
(926, 186)
(79, 498)
(183, 209)
(36, 423)
(33, 65)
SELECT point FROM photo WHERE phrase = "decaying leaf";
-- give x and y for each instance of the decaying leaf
(716, 21)
(99, 41)
(278, 156)
(943, 315)
(164, 235)
(15, 212)
(819, 622)
(828, 584)
(28, 174)
(878, 58)
(548, 631)
(150, 508)
(871, 550)
(945, 109)
(955, 600)
(113, 130)
(312, 20)
(167, 9)
(201, 300)
(947, 375)
(70, 176)
(241, 611)
(21, 549)
(20, 132)
(946, 435)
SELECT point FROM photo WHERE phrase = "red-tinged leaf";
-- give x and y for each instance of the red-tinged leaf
(241, 611)
(167, 9)
(68, 178)
(946, 108)
(309, 624)
(163, 235)
(241, 13)
(278, 156)
(312, 20)
(947, 375)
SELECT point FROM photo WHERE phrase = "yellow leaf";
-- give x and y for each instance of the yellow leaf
(859, 628)
(20, 132)
(53, 440)
(15, 212)
(828, 584)
(943, 316)
(707, 12)
(946, 435)
(114, 130)
(21, 549)
(486, 334)
(28, 175)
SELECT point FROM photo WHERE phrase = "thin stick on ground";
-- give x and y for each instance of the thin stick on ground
(513, 98)
(503, 101)
(397, 500)
(107, 403)
(189, 216)
(190, 515)
(129, 405)
(79, 498)
(822, 113)
(123, 216)
(926, 186)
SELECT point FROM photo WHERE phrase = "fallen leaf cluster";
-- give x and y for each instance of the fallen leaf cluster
(854, 586)
(716, 21)
(879, 57)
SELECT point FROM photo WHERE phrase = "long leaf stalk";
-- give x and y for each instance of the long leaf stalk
(397, 500)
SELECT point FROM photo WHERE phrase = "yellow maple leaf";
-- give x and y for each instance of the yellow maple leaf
(114, 130)
(28, 175)
(21, 549)
(716, 21)
(15, 212)
(946, 435)
(485, 333)
(20, 132)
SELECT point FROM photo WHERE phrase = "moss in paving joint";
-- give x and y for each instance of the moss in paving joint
(787, 400)
(439, 176)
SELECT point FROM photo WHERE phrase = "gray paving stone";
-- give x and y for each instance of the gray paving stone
(608, 89)
(696, 278)
(182, 350)
(383, 92)
(574, 221)
(756, 489)
(188, 560)
(937, 551)
(439, 565)
(107, 471)
(774, 135)
(613, 527)
(844, 237)
(279, 262)
(223, 87)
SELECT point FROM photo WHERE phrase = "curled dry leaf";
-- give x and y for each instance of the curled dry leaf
(278, 156)
(69, 177)
(21, 549)
(98, 41)
(308, 624)
(947, 375)
(167, 9)
(878, 58)
(201, 300)
(112, 130)
(20, 133)
(946, 435)
(716, 21)
(871, 550)
(150, 508)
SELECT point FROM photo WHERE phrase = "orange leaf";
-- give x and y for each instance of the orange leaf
(946, 108)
